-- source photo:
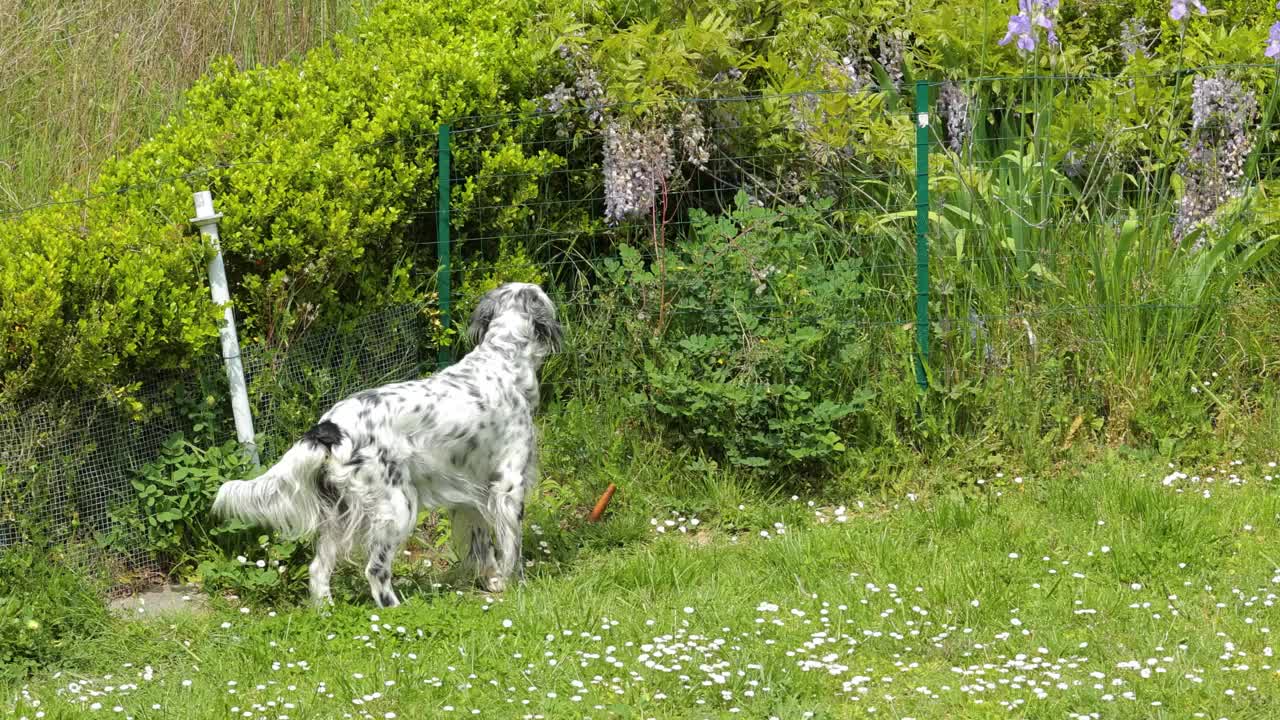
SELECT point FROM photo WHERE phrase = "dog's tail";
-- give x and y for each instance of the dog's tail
(287, 496)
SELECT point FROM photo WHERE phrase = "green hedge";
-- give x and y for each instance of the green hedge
(325, 172)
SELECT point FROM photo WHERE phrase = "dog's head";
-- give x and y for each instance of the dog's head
(521, 309)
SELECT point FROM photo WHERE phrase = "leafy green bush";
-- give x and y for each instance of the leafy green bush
(88, 293)
(271, 572)
(170, 515)
(47, 609)
(324, 171)
(748, 328)
(170, 510)
(329, 184)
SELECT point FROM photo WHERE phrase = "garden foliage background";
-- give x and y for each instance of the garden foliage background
(722, 198)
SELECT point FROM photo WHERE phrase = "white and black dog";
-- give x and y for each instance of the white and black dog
(461, 439)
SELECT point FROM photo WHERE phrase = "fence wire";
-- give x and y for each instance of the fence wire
(289, 388)
(68, 460)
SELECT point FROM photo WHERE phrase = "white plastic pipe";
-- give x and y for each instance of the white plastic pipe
(207, 220)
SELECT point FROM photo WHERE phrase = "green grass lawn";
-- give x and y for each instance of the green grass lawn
(1123, 590)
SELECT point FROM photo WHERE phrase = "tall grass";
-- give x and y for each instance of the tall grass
(80, 81)
(1070, 285)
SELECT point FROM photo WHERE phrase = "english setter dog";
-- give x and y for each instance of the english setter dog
(461, 439)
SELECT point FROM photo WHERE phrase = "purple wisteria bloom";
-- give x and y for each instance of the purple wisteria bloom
(1032, 14)
(1223, 126)
(1178, 8)
(1273, 42)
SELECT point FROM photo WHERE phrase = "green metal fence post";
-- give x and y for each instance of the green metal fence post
(922, 233)
(443, 286)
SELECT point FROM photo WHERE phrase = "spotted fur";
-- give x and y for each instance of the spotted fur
(462, 439)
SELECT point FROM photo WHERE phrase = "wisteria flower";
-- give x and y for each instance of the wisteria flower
(1273, 42)
(1178, 8)
(954, 106)
(1223, 116)
(891, 54)
(638, 161)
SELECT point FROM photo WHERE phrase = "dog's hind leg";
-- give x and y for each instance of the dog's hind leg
(396, 517)
(321, 570)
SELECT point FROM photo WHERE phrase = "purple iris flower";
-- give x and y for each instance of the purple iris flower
(1178, 8)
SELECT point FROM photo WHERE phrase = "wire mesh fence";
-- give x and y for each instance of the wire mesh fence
(290, 387)
(67, 460)
(777, 234)
(70, 459)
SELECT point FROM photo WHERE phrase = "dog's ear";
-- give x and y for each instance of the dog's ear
(548, 330)
(482, 316)
(542, 313)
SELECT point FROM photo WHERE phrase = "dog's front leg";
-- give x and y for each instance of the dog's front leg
(507, 508)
